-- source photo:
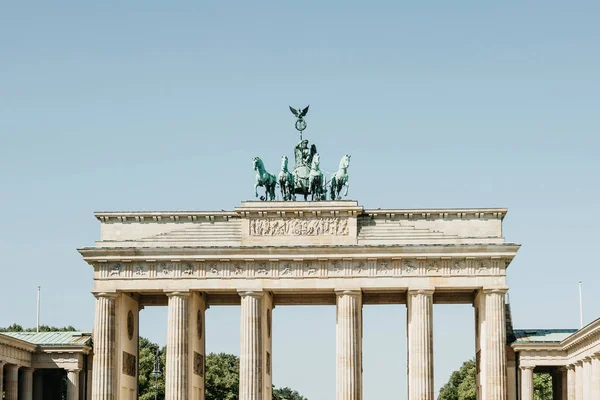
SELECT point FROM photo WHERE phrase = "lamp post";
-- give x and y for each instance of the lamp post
(156, 372)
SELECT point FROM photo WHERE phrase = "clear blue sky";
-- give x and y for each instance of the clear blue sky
(161, 105)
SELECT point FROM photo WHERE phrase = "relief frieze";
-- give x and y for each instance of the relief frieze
(273, 269)
(129, 364)
(299, 226)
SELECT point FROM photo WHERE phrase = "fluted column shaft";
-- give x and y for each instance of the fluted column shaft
(26, 384)
(251, 351)
(495, 345)
(176, 374)
(420, 344)
(587, 378)
(527, 383)
(349, 345)
(11, 382)
(73, 384)
(579, 380)
(571, 382)
(596, 376)
(104, 373)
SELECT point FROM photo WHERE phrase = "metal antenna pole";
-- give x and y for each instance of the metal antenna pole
(38, 309)
(580, 306)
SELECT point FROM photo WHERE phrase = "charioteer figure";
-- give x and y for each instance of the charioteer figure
(303, 155)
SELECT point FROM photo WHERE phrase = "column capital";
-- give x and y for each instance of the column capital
(497, 290)
(73, 370)
(595, 356)
(415, 291)
(570, 367)
(251, 293)
(527, 367)
(579, 363)
(177, 293)
(27, 369)
(106, 295)
(587, 359)
(349, 292)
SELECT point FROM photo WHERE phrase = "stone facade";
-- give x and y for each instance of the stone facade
(265, 254)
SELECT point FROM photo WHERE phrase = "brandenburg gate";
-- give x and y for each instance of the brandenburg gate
(265, 254)
(269, 253)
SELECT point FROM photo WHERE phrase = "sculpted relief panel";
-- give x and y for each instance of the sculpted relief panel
(298, 226)
(323, 268)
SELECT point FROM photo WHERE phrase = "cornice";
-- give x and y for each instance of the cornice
(502, 250)
(540, 346)
(439, 213)
(84, 349)
(163, 216)
(299, 209)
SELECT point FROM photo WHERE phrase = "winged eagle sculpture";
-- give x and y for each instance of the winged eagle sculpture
(299, 114)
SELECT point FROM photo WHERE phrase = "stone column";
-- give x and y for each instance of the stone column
(104, 348)
(596, 376)
(251, 341)
(2, 377)
(420, 344)
(579, 380)
(587, 378)
(11, 382)
(38, 385)
(495, 345)
(196, 345)
(26, 384)
(349, 345)
(571, 382)
(564, 388)
(73, 384)
(177, 374)
(527, 383)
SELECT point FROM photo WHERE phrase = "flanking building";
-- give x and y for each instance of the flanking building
(45, 365)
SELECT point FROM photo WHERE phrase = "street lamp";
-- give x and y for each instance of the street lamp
(156, 372)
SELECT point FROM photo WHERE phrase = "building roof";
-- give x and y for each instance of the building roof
(53, 338)
(524, 336)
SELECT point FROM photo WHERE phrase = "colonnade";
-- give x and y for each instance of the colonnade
(579, 380)
(255, 345)
(25, 383)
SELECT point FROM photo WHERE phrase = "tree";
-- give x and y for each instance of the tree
(542, 386)
(462, 384)
(149, 386)
(222, 377)
(287, 394)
